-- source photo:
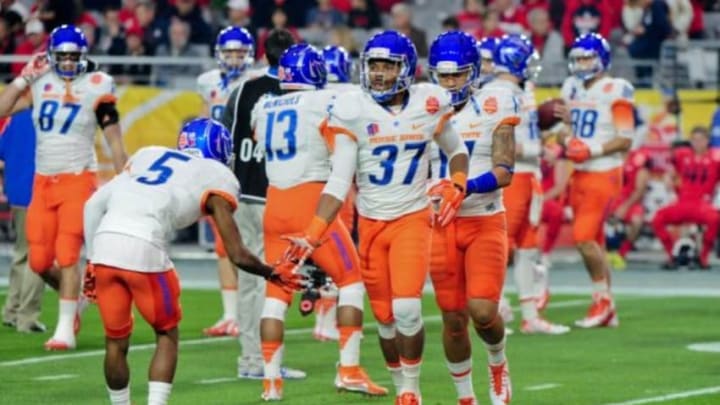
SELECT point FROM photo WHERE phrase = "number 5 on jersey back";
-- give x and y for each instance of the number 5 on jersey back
(163, 170)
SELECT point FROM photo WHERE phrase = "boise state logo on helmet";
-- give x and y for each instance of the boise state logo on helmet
(67, 51)
(451, 53)
(593, 48)
(302, 67)
(234, 51)
(394, 47)
(206, 138)
(338, 64)
(516, 55)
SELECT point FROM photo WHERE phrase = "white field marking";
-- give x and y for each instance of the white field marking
(203, 341)
(216, 380)
(670, 397)
(542, 387)
(712, 347)
(55, 377)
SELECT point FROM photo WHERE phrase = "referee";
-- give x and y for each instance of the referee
(250, 171)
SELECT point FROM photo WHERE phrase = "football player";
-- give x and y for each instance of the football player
(128, 224)
(381, 136)
(70, 101)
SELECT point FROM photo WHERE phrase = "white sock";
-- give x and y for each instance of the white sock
(461, 374)
(528, 307)
(273, 355)
(66, 320)
(229, 301)
(411, 375)
(601, 287)
(349, 342)
(119, 397)
(397, 377)
(496, 352)
(158, 392)
(524, 272)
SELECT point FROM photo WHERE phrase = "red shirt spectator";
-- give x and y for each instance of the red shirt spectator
(35, 41)
(697, 25)
(513, 18)
(490, 27)
(342, 5)
(636, 160)
(583, 16)
(533, 4)
(698, 173)
(279, 19)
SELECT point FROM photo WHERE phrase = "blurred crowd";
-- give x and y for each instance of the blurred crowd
(188, 27)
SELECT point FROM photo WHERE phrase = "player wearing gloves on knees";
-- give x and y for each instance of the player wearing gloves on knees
(469, 255)
(381, 136)
(599, 110)
(298, 164)
(69, 101)
(129, 223)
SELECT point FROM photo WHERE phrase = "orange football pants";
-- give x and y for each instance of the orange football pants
(517, 198)
(476, 268)
(290, 211)
(395, 259)
(591, 195)
(156, 296)
(55, 219)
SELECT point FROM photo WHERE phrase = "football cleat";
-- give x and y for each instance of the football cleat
(272, 389)
(500, 386)
(408, 398)
(600, 314)
(355, 379)
(540, 326)
(59, 345)
(223, 327)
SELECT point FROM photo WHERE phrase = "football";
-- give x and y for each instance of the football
(546, 114)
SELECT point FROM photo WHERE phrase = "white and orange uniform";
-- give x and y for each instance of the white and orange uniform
(129, 224)
(215, 90)
(469, 256)
(523, 197)
(389, 155)
(65, 164)
(297, 163)
(598, 115)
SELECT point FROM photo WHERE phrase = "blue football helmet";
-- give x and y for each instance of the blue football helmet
(338, 64)
(206, 138)
(589, 45)
(302, 67)
(516, 55)
(390, 46)
(232, 39)
(67, 51)
(486, 50)
(455, 52)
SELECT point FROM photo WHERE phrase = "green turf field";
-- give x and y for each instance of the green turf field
(645, 358)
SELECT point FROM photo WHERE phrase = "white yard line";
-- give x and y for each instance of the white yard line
(203, 341)
(216, 380)
(542, 387)
(711, 347)
(55, 377)
(670, 397)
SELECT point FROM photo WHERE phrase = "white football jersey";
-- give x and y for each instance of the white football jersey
(215, 91)
(65, 122)
(289, 127)
(527, 132)
(493, 105)
(591, 115)
(393, 148)
(160, 191)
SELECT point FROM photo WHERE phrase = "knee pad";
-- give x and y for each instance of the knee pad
(386, 331)
(40, 257)
(274, 309)
(351, 295)
(408, 315)
(68, 249)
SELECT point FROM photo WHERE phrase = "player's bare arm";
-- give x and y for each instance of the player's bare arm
(113, 136)
(14, 96)
(503, 154)
(562, 177)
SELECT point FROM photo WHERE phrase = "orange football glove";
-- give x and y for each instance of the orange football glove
(446, 198)
(88, 285)
(577, 151)
(287, 276)
(302, 244)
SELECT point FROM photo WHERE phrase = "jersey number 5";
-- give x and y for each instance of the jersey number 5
(48, 110)
(390, 154)
(160, 166)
